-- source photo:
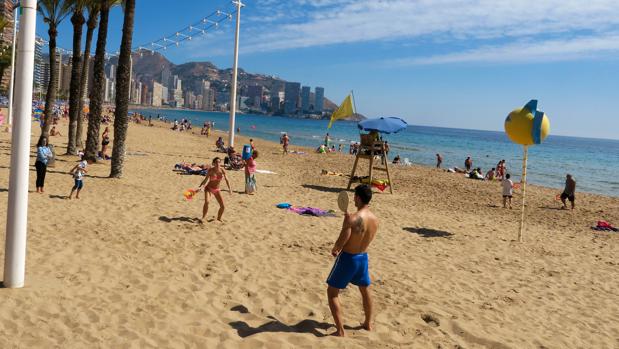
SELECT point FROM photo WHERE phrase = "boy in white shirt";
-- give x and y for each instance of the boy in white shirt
(508, 191)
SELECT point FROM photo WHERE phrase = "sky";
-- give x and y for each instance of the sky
(448, 63)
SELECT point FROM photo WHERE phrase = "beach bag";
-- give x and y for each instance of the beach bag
(250, 184)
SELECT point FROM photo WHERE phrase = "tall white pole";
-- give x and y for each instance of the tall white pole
(234, 73)
(17, 213)
(12, 83)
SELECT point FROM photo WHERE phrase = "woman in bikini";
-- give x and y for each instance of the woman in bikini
(210, 184)
(105, 140)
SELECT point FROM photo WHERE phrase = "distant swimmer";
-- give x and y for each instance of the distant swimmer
(351, 264)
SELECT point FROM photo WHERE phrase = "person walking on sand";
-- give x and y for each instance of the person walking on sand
(250, 173)
(468, 163)
(569, 191)
(508, 191)
(439, 160)
(351, 263)
(285, 142)
(78, 175)
(210, 185)
(44, 155)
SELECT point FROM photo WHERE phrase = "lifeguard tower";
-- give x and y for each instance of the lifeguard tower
(372, 148)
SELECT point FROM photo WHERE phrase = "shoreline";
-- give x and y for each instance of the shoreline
(416, 144)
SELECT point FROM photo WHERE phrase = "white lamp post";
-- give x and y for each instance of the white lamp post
(17, 213)
(234, 73)
(12, 83)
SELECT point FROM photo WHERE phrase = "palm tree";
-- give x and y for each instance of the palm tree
(78, 20)
(91, 25)
(53, 12)
(96, 94)
(123, 82)
(5, 50)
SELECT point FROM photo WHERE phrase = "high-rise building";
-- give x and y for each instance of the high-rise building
(207, 99)
(319, 99)
(190, 99)
(39, 68)
(166, 75)
(157, 94)
(64, 83)
(145, 95)
(305, 99)
(255, 93)
(291, 97)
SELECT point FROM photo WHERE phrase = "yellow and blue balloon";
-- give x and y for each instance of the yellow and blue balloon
(527, 125)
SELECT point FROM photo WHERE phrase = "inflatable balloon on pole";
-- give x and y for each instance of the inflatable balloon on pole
(526, 126)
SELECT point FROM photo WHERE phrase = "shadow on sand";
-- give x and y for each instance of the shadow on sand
(305, 326)
(428, 233)
(180, 219)
(323, 189)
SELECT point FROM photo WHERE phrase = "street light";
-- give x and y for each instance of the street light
(17, 212)
(234, 73)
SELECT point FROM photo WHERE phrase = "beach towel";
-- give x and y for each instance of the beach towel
(265, 172)
(604, 226)
(311, 211)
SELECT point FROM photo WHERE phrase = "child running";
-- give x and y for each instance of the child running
(508, 191)
(250, 170)
(210, 185)
(78, 175)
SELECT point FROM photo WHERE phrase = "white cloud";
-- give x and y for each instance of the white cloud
(328, 22)
(525, 51)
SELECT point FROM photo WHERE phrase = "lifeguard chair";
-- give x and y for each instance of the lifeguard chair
(370, 147)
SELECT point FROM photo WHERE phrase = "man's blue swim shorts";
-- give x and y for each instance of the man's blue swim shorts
(349, 268)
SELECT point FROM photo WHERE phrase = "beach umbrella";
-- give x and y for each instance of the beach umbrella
(383, 125)
(526, 126)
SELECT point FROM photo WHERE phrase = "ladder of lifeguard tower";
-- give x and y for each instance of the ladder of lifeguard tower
(369, 151)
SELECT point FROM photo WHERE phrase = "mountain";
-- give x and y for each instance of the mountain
(148, 66)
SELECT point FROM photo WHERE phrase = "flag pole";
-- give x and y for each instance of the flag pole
(234, 74)
(524, 191)
(17, 212)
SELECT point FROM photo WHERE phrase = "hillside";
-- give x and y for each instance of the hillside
(149, 66)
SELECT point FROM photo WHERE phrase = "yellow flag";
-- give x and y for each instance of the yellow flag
(345, 110)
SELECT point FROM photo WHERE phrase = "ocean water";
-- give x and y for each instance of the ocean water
(594, 163)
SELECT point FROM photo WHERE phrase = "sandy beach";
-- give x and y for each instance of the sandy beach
(128, 266)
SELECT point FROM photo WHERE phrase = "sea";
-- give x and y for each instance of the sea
(594, 163)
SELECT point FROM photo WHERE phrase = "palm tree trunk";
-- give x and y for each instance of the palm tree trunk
(123, 83)
(92, 25)
(96, 95)
(52, 86)
(74, 98)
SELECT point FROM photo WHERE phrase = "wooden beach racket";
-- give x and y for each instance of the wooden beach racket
(342, 201)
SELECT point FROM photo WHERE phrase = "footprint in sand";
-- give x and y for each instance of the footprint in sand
(431, 320)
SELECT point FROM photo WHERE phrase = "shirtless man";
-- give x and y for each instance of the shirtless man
(439, 160)
(351, 264)
(568, 192)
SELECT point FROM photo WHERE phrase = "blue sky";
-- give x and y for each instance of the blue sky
(451, 63)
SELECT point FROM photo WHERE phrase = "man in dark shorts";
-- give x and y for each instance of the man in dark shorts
(569, 191)
(351, 264)
(468, 163)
